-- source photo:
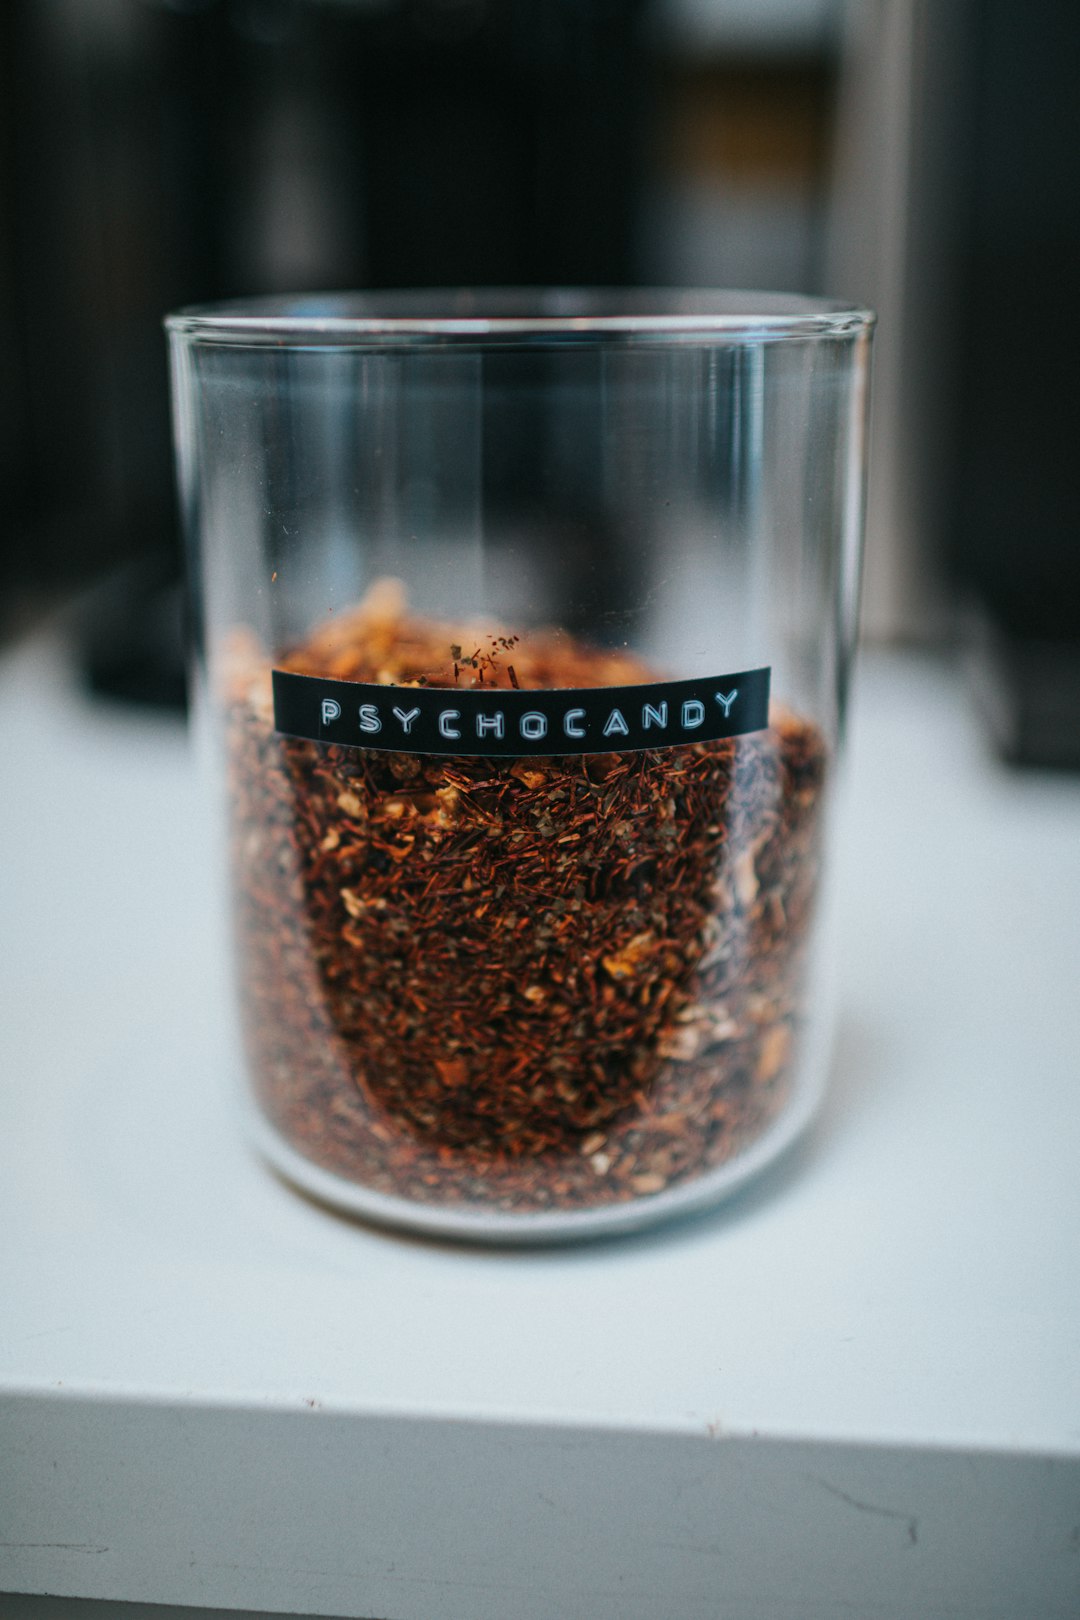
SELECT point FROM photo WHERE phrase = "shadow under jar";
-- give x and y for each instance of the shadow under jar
(526, 623)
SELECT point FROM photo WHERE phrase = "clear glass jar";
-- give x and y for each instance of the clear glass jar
(525, 624)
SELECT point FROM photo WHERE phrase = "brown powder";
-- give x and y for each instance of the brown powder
(528, 985)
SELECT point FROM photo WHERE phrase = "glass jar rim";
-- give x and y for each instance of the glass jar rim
(499, 314)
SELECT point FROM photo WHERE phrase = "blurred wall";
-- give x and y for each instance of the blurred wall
(158, 152)
(910, 155)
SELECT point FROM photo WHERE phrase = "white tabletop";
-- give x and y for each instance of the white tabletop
(853, 1389)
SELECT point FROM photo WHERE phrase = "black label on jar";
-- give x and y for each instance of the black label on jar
(508, 724)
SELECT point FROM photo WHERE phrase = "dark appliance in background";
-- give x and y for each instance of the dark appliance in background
(1013, 495)
(158, 152)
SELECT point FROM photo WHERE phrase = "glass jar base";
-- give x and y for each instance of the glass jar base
(475, 1223)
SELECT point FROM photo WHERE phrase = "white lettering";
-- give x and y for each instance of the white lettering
(533, 725)
(615, 724)
(693, 713)
(446, 726)
(490, 724)
(406, 718)
(570, 725)
(653, 715)
(369, 718)
(726, 702)
(331, 710)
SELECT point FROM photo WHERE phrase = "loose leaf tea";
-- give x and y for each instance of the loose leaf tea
(537, 984)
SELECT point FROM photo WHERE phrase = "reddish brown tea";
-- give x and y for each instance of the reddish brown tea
(536, 984)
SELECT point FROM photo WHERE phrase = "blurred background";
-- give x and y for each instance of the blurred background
(916, 155)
